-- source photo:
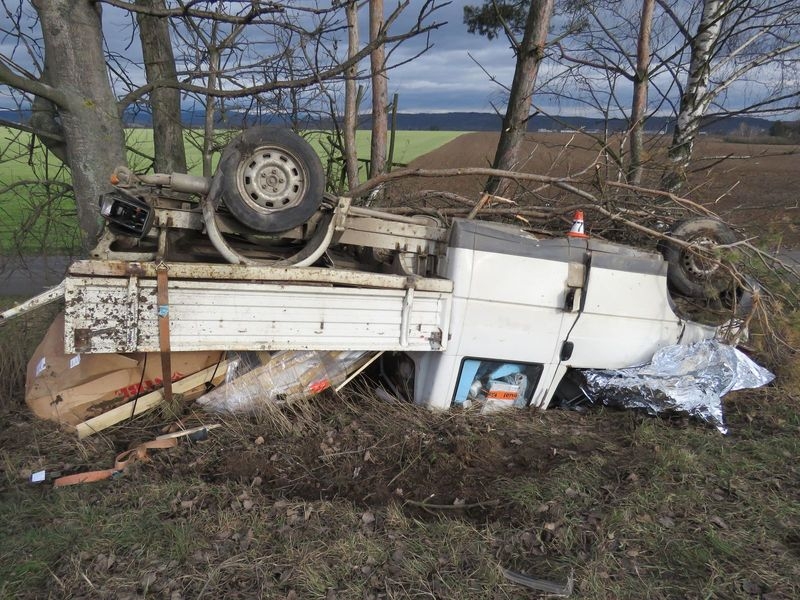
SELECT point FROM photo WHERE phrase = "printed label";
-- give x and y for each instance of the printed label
(502, 391)
(148, 385)
(498, 395)
(40, 366)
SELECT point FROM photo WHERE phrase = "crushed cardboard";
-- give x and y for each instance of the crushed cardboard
(71, 388)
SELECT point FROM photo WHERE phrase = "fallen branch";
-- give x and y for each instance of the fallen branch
(566, 183)
(426, 505)
(541, 585)
(618, 212)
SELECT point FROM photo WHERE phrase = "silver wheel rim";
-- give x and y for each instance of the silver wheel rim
(699, 266)
(272, 179)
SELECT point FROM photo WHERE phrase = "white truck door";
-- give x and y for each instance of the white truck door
(626, 313)
(513, 306)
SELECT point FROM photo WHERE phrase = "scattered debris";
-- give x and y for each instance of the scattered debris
(190, 387)
(194, 434)
(254, 379)
(90, 392)
(122, 462)
(542, 585)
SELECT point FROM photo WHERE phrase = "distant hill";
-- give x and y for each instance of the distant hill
(452, 121)
(469, 121)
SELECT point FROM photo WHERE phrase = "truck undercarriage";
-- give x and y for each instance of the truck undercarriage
(259, 258)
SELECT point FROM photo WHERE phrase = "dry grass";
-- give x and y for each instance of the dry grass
(18, 339)
(344, 496)
(325, 502)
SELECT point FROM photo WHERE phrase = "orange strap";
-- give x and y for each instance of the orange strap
(122, 462)
(163, 330)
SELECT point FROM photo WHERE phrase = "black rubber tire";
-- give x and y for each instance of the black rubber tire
(689, 274)
(741, 299)
(272, 179)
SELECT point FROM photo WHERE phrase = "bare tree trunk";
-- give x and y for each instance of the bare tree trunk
(210, 112)
(351, 98)
(695, 98)
(165, 102)
(530, 53)
(211, 46)
(75, 67)
(640, 84)
(45, 120)
(380, 91)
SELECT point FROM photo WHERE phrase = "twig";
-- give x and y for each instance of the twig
(426, 505)
(542, 585)
(433, 194)
(478, 206)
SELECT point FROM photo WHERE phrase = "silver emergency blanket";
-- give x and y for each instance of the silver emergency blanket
(685, 379)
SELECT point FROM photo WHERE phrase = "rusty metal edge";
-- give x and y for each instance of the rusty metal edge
(116, 268)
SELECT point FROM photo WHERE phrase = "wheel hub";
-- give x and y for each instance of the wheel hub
(272, 179)
(696, 265)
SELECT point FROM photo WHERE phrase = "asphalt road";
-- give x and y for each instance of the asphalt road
(33, 275)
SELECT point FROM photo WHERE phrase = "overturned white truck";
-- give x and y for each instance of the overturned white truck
(259, 258)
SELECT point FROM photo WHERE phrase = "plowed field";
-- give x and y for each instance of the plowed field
(753, 186)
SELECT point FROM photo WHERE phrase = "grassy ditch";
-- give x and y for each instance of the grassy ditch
(349, 497)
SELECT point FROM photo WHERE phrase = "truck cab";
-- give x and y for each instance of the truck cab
(525, 310)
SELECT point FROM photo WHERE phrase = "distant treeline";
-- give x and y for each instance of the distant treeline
(785, 129)
(460, 121)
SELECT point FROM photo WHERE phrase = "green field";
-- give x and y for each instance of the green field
(37, 218)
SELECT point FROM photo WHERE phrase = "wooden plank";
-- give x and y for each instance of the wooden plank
(148, 401)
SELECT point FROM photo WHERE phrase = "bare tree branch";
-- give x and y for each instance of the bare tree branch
(332, 72)
(32, 86)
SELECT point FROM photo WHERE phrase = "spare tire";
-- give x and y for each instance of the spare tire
(690, 273)
(272, 179)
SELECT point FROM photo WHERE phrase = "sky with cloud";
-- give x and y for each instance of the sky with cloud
(460, 72)
(454, 75)
(443, 79)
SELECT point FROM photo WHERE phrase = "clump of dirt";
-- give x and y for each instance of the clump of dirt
(373, 454)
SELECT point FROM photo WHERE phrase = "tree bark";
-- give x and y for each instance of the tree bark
(211, 109)
(351, 98)
(530, 53)
(640, 85)
(92, 128)
(165, 102)
(695, 98)
(47, 124)
(380, 91)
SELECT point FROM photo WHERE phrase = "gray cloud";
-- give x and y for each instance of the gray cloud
(454, 75)
(461, 72)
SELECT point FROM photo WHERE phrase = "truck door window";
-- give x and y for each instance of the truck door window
(496, 383)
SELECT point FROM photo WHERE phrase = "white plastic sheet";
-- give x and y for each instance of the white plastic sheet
(254, 379)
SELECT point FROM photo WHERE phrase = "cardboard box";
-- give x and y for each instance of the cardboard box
(69, 388)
